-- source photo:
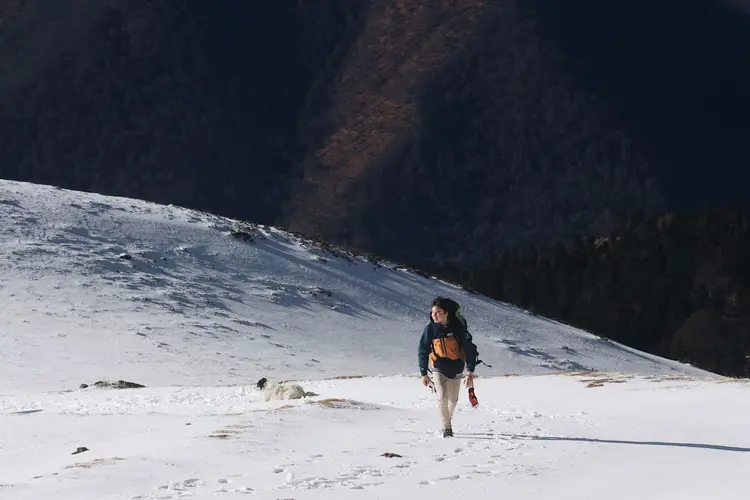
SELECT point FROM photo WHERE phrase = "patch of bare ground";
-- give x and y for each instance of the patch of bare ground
(94, 463)
(667, 378)
(598, 379)
(733, 380)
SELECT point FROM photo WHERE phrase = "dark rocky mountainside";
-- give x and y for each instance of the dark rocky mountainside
(171, 101)
(440, 134)
(417, 130)
(413, 129)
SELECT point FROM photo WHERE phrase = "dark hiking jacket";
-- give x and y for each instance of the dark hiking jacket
(448, 349)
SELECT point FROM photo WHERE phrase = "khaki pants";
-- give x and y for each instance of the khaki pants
(447, 392)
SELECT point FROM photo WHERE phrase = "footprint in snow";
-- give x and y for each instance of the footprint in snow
(223, 487)
(311, 482)
(425, 482)
(181, 487)
(366, 485)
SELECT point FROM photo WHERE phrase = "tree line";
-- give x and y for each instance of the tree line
(675, 285)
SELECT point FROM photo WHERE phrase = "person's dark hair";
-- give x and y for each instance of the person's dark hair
(448, 305)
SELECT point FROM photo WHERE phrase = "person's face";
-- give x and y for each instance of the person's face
(439, 315)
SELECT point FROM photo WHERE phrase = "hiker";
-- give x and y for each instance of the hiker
(448, 346)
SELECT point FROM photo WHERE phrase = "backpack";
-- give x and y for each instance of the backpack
(456, 311)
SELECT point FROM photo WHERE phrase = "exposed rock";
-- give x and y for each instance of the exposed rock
(318, 291)
(242, 235)
(80, 449)
(247, 232)
(26, 412)
(391, 455)
(120, 384)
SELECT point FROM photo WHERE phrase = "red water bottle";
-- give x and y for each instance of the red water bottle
(473, 397)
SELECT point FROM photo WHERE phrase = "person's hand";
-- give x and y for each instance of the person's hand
(469, 379)
(425, 380)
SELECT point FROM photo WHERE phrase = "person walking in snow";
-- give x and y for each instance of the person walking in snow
(446, 343)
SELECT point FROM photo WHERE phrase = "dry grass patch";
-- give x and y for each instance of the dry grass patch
(665, 378)
(226, 432)
(337, 402)
(345, 403)
(733, 380)
(581, 373)
(599, 379)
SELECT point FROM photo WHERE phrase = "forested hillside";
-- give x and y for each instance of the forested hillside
(423, 131)
(673, 285)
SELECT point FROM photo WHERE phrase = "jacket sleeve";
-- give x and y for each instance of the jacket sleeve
(470, 349)
(424, 350)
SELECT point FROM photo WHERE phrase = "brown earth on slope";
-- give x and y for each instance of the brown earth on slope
(373, 107)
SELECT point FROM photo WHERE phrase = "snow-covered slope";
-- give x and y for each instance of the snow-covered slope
(539, 437)
(195, 305)
(100, 288)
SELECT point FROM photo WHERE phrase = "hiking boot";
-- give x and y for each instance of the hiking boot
(447, 432)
